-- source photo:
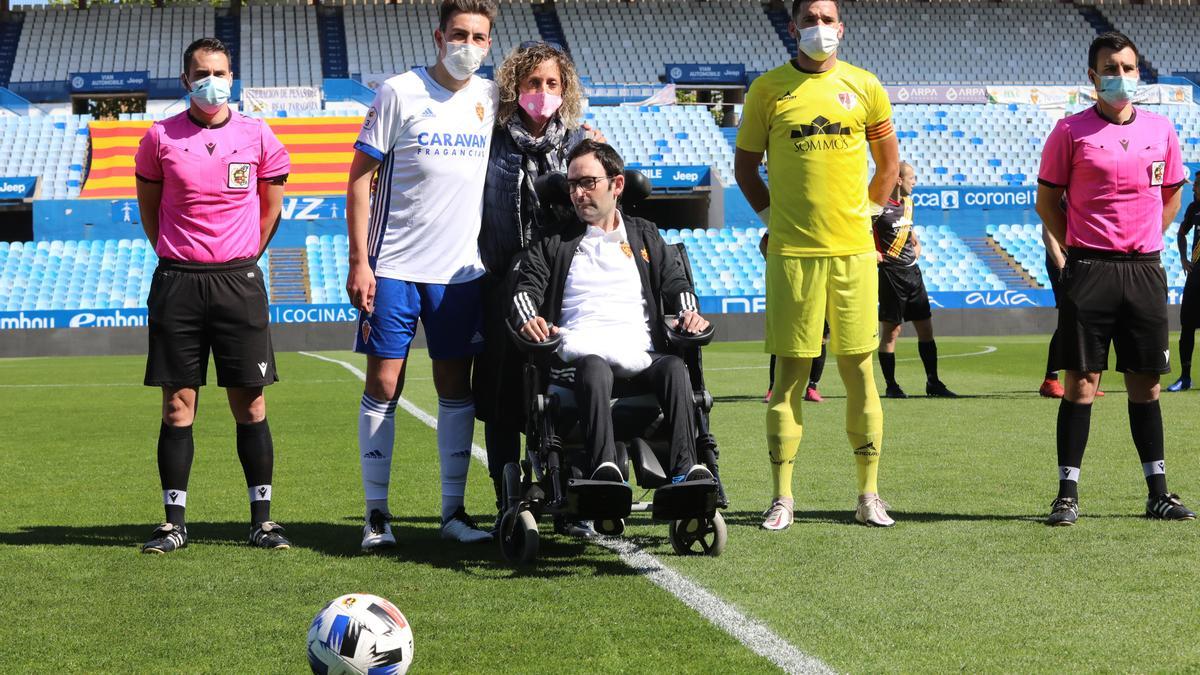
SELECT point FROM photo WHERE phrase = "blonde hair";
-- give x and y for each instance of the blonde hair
(519, 64)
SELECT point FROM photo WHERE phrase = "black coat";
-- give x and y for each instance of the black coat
(542, 276)
(501, 236)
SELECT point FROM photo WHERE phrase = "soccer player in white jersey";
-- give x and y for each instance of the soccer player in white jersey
(415, 255)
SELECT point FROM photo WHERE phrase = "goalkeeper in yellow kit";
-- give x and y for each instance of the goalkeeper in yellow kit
(815, 118)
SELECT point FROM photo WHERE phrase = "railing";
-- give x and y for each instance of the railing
(337, 89)
(13, 102)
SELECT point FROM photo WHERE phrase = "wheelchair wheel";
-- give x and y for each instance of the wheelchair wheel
(699, 536)
(518, 537)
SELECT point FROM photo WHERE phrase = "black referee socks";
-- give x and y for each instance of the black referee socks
(928, 352)
(887, 363)
(1074, 424)
(175, 452)
(257, 455)
(1145, 425)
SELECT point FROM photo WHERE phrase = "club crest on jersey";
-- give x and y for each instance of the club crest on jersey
(847, 99)
(1157, 171)
(645, 254)
(479, 111)
(626, 249)
(239, 175)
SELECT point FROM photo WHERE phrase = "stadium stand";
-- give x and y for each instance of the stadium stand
(328, 267)
(973, 145)
(948, 264)
(52, 147)
(725, 262)
(1023, 241)
(78, 274)
(280, 45)
(999, 144)
(968, 41)
(656, 135)
(1164, 33)
(56, 41)
(393, 38)
(629, 42)
(970, 145)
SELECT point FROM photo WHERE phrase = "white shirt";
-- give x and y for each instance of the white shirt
(433, 147)
(604, 310)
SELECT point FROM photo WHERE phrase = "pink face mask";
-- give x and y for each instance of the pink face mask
(540, 106)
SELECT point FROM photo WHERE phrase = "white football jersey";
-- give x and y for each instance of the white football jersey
(433, 147)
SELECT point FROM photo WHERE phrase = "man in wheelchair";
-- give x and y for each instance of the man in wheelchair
(602, 284)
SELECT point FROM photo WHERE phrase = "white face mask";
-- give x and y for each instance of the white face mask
(463, 59)
(818, 42)
(210, 93)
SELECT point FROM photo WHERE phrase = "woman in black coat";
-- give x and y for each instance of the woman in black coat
(537, 125)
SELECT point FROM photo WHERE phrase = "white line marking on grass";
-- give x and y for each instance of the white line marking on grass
(431, 421)
(987, 349)
(755, 636)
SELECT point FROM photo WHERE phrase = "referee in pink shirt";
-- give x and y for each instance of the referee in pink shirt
(210, 186)
(1121, 170)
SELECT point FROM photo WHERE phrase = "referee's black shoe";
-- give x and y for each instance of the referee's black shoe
(1064, 511)
(937, 389)
(268, 534)
(167, 537)
(893, 390)
(1166, 506)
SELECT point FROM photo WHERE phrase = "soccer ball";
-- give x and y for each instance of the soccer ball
(360, 633)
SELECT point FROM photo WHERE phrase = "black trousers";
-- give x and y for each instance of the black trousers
(667, 378)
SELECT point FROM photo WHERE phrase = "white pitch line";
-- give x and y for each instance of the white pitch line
(82, 385)
(987, 349)
(754, 635)
(430, 421)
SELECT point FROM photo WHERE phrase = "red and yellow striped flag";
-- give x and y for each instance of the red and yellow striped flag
(320, 148)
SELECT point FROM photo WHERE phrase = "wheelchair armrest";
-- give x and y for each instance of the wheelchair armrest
(679, 338)
(528, 346)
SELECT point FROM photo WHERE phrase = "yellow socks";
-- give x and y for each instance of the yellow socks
(864, 418)
(785, 423)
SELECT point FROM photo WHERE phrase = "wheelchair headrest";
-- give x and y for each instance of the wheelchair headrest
(551, 188)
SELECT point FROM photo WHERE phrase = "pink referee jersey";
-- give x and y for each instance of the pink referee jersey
(210, 176)
(1114, 175)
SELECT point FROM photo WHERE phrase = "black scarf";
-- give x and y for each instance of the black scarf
(538, 156)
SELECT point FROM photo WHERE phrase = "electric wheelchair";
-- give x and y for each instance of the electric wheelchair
(550, 479)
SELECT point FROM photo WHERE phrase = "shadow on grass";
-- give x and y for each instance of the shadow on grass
(418, 542)
(913, 397)
(754, 518)
(846, 517)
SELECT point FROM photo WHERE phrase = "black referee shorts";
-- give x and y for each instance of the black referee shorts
(902, 295)
(1189, 307)
(197, 307)
(1113, 297)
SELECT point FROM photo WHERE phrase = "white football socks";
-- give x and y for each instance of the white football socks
(376, 438)
(455, 429)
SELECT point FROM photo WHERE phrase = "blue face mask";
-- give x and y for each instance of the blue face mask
(210, 93)
(1117, 91)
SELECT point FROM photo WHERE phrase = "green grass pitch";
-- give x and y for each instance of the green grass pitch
(969, 579)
